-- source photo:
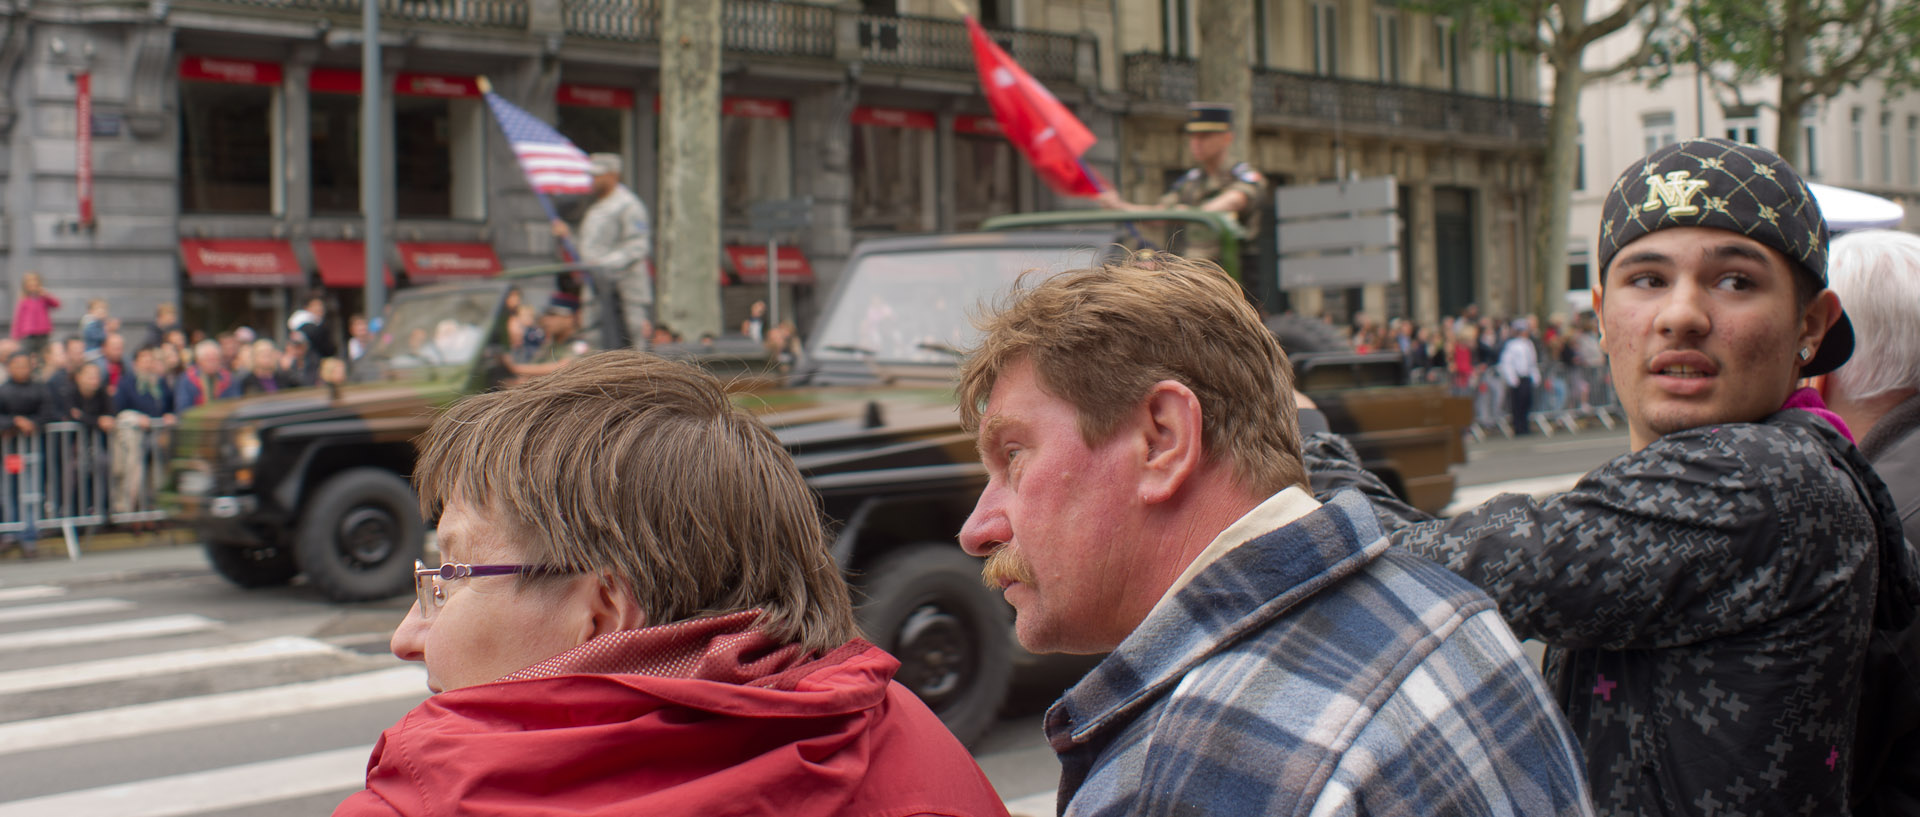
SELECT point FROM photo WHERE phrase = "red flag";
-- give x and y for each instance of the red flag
(1044, 130)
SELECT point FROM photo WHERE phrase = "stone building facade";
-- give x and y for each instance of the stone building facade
(220, 149)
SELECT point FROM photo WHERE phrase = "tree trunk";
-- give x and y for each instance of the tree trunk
(1793, 94)
(1563, 150)
(1226, 65)
(689, 235)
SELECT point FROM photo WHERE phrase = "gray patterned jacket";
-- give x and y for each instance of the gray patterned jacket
(1707, 601)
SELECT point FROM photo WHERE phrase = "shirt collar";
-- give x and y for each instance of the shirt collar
(1277, 511)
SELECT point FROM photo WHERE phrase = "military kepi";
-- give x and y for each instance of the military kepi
(1209, 117)
(1729, 186)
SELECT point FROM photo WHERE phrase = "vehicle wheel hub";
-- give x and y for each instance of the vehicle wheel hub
(935, 651)
(368, 536)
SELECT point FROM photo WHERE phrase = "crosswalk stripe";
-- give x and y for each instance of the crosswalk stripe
(136, 666)
(31, 591)
(110, 631)
(62, 609)
(217, 790)
(212, 710)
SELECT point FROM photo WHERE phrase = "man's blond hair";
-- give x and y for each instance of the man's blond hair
(1100, 338)
(629, 464)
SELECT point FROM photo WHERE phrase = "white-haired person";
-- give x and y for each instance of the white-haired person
(1876, 273)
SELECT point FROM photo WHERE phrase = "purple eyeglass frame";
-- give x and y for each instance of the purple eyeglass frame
(455, 570)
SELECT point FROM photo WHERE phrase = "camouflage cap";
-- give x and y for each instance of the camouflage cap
(1730, 186)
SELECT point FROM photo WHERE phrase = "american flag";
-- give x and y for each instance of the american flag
(552, 164)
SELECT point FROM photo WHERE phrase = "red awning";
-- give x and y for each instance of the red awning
(240, 263)
(343, 263)
(439, 261)
(750, 264)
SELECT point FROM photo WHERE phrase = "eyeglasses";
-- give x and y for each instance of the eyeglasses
(429, 583)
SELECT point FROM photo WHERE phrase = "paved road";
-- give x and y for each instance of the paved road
(137, 684)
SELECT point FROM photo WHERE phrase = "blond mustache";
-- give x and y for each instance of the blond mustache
(1003, 566)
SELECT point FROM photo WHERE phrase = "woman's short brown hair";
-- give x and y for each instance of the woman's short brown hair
(629, 464)
(1099, 338)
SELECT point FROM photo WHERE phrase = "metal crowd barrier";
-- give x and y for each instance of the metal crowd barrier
(72, 476)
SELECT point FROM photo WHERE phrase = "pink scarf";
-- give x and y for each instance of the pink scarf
(1809, 400)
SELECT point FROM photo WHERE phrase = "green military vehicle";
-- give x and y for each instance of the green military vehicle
(315, 481)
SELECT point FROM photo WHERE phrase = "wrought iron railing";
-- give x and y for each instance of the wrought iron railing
(779, 29)
(770, 27)
(510, 14)
(1158, 78)
(624, 20)
(932, 42)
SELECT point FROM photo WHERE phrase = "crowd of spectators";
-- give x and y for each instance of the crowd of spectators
(1465, 352)
(122, 395)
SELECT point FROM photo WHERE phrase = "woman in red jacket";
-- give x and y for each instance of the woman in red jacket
(637, 613)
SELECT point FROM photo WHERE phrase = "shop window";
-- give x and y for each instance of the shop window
(893, 170)
(986, 173)
(439, 169)
(334, 149)
(756, 157)
(597, 130)
(228, 149)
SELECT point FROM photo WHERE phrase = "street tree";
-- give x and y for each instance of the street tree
(1226, 64)
(1814, 48)
(1559, 32)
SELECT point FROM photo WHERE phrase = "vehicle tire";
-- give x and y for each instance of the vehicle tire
(359, 536)
(925, 605)
(252, 566)
(1299, 334)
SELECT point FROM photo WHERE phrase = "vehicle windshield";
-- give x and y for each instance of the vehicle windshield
(430, 335)
(917, 306)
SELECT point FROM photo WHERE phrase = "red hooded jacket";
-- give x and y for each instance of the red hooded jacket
(832, 736)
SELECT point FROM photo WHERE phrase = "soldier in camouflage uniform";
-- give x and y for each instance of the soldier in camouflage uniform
(1707, 598)
(1213, 184)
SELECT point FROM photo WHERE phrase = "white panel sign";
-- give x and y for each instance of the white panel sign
(1340, 270)
(1339, 233)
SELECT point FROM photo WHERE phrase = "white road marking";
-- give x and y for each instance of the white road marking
(1468, 497)
(111, 631)
(233, 787)
(212, 710)
(31, 591)
(136, 666)
(64, 609)
(1033, 805)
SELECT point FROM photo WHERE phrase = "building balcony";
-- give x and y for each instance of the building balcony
(1323, 102)
(761, 27)
(493, 14)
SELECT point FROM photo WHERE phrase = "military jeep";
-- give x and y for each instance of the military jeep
(315, 481)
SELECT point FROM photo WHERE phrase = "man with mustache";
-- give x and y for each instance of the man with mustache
(1269, 653)
(1708, 598)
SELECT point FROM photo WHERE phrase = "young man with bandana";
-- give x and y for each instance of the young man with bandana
(1707, 598)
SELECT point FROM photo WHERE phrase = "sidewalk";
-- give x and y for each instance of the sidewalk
(107, 560)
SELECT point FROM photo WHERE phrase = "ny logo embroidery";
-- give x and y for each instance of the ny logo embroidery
(1676, 191)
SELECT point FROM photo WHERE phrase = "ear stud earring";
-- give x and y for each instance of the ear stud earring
(1806, 354)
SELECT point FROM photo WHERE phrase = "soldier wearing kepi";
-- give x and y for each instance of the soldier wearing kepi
(1215, 183)
(1709, 597)
(615, 235)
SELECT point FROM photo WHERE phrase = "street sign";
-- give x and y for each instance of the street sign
(781, 215)
(774, 217)
(1339, 234)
